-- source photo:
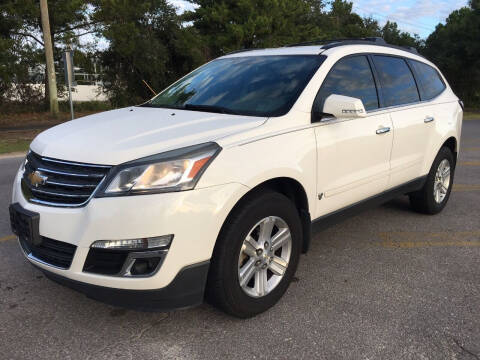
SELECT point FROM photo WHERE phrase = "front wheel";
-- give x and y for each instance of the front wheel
(433, 197)
(256, 255)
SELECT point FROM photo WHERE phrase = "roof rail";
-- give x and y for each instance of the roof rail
(368, 40)
(239, 51)
(378, 41)
(410, 48)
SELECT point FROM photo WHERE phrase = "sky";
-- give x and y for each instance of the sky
(414, 16)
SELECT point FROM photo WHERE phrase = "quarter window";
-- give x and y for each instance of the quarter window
(398, 83)
(430, 82)
(352, 77)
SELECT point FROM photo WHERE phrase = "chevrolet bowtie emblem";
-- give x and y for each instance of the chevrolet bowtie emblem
(37, 178)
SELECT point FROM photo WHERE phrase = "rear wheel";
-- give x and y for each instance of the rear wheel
(433, 197)
(256, 255)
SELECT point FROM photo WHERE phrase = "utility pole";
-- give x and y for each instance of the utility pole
(47, 40)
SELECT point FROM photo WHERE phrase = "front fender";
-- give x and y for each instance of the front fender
(290, 154)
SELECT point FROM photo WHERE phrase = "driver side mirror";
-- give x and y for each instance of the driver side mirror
(342, 107)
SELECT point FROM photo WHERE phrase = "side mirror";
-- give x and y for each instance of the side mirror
(344, 107)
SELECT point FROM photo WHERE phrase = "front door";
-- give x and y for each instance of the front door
(353, 154)
(353, 160)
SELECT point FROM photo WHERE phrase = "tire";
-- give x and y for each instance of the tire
(425, 200)
(232, 257)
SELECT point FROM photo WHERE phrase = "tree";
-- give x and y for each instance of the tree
(231, 25)
(455, 49)
(344, 23)
(392, 35)
(69, 19)
(50, 65)
(147, 42)
(16, 58)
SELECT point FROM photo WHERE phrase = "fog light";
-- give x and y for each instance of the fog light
(144, 266)
(135, 244)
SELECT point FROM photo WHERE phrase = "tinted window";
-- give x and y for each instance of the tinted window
(251, 85)
(430, 81)
(397, 81)
(350, 76)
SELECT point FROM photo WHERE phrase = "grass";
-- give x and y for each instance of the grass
(15, 145)
(17, 130)
(471, 115)
(20, 123)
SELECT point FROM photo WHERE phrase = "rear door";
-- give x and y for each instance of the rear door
(400, 96)
(353, 154)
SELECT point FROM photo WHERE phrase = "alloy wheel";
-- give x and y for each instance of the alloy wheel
(442, 181)
(264, 256)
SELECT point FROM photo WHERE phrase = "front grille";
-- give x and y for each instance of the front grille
(52, 252)
(60, 183)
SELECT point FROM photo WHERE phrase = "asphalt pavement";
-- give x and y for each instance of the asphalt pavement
(386, 284)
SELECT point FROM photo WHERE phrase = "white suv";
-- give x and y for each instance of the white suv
(210, 188)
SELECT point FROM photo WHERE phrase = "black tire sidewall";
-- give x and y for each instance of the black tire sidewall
(432, 205)
(269, 204)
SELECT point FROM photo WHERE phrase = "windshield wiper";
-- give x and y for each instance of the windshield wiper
(209, 108)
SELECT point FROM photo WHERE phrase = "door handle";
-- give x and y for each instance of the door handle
(428, 119)
(383, 130)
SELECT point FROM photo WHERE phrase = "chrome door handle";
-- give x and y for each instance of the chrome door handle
(383, 130)
(428, 119)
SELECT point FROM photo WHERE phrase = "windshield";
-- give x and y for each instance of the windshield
(253, 85)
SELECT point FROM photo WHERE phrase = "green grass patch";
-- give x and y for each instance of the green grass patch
(10, 146)
(471, 115)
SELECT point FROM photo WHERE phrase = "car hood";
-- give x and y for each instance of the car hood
(122, 135)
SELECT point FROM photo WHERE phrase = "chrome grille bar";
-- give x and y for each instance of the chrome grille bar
(60, 183)
(51, 171)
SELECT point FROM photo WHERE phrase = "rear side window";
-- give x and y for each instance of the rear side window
(430, 82)
(352, 77)
(398, 83)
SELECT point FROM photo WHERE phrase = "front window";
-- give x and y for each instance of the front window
(352, 77)
(250, 85)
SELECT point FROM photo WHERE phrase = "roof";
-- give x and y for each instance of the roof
(329, 47)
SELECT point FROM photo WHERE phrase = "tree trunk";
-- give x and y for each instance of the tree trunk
(47, 40)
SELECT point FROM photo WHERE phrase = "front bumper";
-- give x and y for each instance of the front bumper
(186, 290)
(194, 217)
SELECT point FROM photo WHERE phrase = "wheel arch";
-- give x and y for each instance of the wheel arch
(452, 144)
(292, 189)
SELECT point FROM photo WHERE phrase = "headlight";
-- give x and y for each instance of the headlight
(175, 170)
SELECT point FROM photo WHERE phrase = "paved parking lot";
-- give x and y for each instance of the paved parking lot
(387, 284)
